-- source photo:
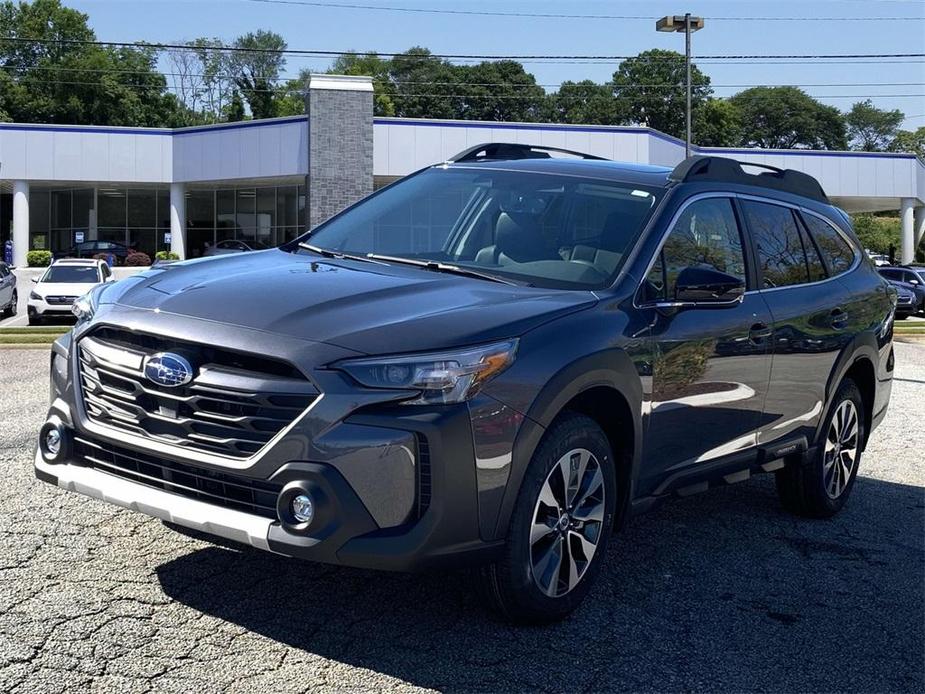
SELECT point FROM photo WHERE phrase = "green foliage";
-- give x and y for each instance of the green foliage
(166, 255)
(872, 129)
(585, 102)
(255, 67)
(639, 83)
(371, 65)
(38, 258)
(235, 109)
(137, 259)
(877, 233)
(63, 82)
(717, 123)
(910, 141)
(786, 118)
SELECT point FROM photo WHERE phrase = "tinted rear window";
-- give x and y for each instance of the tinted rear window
(836, 252)
(781, 258)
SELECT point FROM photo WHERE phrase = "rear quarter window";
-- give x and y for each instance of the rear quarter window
(835, 250)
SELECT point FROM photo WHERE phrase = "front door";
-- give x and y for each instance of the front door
(710, 363)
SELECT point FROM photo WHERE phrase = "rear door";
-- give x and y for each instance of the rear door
(710, 363)
(7, 283)
(811, 316)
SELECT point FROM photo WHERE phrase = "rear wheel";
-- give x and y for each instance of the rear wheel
(559, 530)
(820, 488)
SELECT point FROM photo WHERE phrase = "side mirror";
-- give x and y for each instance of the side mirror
(706, 285)
(35, 280)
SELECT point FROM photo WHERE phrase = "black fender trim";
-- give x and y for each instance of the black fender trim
(863, 346)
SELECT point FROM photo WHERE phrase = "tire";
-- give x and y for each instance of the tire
(35, 320)
(902, 317)
(821, 487)
(576, 444)
(10, 310)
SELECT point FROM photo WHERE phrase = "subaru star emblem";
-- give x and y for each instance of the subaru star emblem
(168, 369)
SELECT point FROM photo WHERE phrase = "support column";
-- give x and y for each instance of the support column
(906, 230)
(20, 222)
(918, 223)
(178, 219)
(340, 144)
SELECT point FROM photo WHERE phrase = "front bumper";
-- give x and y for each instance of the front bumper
(35, 307)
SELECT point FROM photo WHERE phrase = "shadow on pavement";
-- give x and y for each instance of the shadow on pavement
(717, 592)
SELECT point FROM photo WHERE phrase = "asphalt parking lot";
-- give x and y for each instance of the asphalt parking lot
(718, 592)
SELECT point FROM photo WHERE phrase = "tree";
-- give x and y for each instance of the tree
(652, 88)
(372, 65)
(234, 111)
(58, 77)
(498, 91)
(585, 102)
(256, 64)
(424, 86)
(871, 129)
(877, 233)
(910, 141)
(788, 118)
(717, 123)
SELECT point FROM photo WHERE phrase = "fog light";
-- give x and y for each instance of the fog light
(53, 442)
(303, 508)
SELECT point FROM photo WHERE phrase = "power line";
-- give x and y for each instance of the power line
(448, 56)
(553, 15)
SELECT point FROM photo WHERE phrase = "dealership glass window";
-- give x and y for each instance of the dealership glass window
(111, 203)
(246, 213)
(163, 209)
(39, 219)
(224, 215)
(142, 208)
(61, 209)
(287, 206)
(82, 207)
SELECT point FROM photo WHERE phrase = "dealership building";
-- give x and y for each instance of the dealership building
(266, 181)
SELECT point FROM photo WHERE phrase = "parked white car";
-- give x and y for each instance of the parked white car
(234, 246)
(66, 280)
(879, 259)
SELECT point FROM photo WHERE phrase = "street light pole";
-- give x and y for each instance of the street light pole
(688, 25)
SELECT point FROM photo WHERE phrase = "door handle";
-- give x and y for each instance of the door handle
(759, 332)
(839, 318)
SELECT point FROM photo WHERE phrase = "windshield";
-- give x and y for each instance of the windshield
(545, 229)
(72, 274)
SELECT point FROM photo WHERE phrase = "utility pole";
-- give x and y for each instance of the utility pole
(688, 25)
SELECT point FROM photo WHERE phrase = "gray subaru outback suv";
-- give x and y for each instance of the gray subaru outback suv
(493, 362)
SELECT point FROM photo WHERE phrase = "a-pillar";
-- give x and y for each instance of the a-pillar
(20, 222)
(178, 219)
(906, 229)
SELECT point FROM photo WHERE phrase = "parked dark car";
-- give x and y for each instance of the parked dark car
(9, 298)
(495, 361)
(234, 246)
(89, 249)
(906, 301)
(910, 278)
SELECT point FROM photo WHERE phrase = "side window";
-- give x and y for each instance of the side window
(781, 259)
(835, 250)
(813, 261)
(705, 235)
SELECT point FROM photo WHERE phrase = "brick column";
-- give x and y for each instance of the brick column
(340, 143)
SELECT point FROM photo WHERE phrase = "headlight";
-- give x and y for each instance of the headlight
(35, 296)
(442, 378)
(85, 306)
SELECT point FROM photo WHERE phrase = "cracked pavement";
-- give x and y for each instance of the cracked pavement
(717, 592)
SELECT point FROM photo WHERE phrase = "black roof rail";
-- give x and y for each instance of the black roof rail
(493, 151)
(705, 168)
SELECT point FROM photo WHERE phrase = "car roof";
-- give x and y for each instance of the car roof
(77, 261)
(601, 169)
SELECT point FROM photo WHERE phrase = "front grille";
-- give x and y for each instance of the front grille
(233, 406)
(60, 300)
(218, 488)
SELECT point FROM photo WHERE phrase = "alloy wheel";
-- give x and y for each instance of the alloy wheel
(567, 522)
(841, 449)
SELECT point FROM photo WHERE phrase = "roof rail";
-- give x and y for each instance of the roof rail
(704, 168)
(493, 151)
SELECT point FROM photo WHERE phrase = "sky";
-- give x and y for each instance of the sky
(741, 27)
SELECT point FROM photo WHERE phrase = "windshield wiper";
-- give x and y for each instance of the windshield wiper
(328, 253)
(435, 266)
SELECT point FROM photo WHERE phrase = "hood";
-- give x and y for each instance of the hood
(364, 307)
(63, 288)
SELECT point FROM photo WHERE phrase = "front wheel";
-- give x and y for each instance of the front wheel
(560, 526)
(820, 488)
(10, 310)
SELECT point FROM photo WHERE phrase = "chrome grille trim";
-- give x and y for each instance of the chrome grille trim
(224, 411)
